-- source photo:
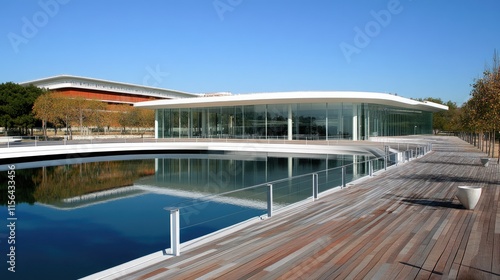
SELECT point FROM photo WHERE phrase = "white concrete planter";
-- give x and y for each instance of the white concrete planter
(485, 161)
(469, 196)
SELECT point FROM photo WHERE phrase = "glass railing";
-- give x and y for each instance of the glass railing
(268, 198)
(38, 141)
(35, 141)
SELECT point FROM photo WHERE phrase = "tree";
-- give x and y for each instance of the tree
(444, 120)
(43, 109)
(124, 112)
(146, 118)
(94, 113)
(136, 117)
(16, 103)
(482, 110)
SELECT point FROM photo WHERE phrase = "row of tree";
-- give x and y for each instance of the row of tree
(480, 115)
(23, 108)
(62, 111)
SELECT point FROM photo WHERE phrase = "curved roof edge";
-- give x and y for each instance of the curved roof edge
(295, 97)
(70, 81)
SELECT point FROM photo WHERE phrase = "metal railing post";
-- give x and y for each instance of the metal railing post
(343, 176)
(385, 156)
(315, 186)
(370, 168)
(269, 200)
(174, 231)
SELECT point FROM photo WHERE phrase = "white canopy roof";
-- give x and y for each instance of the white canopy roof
(294, 97)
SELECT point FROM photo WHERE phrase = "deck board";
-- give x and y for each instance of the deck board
(403, 223)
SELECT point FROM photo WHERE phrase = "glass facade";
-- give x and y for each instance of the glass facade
(311, 121)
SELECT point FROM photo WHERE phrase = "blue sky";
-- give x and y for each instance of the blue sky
(414, 48)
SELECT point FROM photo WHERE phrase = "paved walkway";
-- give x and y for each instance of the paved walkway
(404, 223)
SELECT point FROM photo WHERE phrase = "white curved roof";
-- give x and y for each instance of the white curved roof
(69, 81)
(295, 97)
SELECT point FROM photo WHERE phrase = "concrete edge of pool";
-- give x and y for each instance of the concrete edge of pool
(39, 153)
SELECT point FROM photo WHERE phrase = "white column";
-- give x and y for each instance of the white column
(355, 124)
(290, 122)
(156, 123)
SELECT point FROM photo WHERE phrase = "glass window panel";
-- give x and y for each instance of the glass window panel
(277, 121)
(167, 128)
(318, 121)
(302, 121)
(238, 129)
(347, 114)
(227, 122)
(334, 120)
(161, 120)
(184, 123)
(197, 122)
(213, 122)
(175, 122)
(255, 121)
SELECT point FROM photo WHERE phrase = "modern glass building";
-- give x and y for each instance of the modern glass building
(293, 116)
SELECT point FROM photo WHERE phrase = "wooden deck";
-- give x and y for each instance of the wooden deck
(405, 223)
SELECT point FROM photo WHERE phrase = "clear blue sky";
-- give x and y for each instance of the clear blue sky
(414, 48)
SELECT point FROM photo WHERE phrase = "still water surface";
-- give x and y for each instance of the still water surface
(75, 219)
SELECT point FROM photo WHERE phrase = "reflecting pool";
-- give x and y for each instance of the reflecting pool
(76, 217)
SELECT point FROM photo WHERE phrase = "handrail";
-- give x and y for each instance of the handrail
(24, 141)
(403, 156)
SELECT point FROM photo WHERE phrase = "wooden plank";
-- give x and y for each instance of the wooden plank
(496, 239)
(402, 223)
